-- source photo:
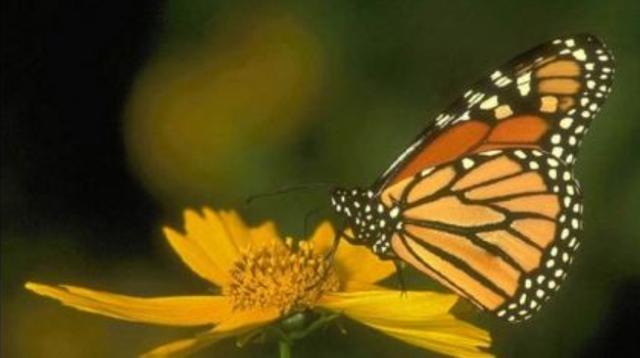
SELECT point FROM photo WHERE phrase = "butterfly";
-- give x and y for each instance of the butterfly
(485, 200)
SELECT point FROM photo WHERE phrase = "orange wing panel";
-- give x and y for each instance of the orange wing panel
(432, 183)
(563, 68)
(529, 182)
(520, 129)
(492, 267)
(493, 169)
(403, 252)
(559, 86)
(540, 231)
(449, 145)
(423, 257)
(527, 256)
(545, 204)
(394, 192)
(475, 136)
(450, 210)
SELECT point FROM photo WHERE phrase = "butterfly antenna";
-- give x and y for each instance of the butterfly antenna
(307, 219)
(329, 257)
(285, 190)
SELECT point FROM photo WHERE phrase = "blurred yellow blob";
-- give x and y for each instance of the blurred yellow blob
(73, 336)
(201, 120)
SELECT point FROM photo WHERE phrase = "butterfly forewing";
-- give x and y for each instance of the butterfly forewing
(544, 99)
(497, 227)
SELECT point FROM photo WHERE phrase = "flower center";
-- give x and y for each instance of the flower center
(290, 277)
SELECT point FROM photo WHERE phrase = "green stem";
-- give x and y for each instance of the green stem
(285, 349)
(320, 322)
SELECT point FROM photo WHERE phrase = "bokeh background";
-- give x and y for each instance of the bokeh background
(117, 115)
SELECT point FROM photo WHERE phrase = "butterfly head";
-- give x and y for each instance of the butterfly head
(348, 203)
(366, 216)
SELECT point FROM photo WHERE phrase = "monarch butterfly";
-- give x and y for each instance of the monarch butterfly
(485, 200)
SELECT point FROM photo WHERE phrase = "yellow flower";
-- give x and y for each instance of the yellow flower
(264, 280)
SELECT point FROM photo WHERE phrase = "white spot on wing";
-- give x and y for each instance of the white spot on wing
(503, 81)
(523, 83)
(489, 103)
(475, 98)
(579, 55)
(566, 122)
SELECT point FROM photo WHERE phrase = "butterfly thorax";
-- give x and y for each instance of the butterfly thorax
(372, 223)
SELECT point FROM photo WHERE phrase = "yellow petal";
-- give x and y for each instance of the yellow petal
(196, 258)
(242, 235)
(247, 320)
(410, 305)
(416, 317)
(265, 234)
(234, 227)
(209, 246)
(358, 263)
(349, 286)
(322, 238)
(352, 263)
(214, 235)
(446, 335)
(176, 311)
(237, 324)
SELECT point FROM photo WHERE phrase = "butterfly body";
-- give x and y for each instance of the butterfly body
(371, 222)
(484, 201)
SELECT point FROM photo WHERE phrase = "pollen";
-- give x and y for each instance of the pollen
(289, 277)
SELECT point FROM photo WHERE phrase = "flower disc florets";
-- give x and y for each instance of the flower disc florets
(289, 277)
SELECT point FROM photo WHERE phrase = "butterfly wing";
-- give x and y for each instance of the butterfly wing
(544, 99)
(488, 203)
(497, 227)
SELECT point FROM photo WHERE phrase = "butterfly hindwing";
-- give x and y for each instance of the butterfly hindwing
(544, 98)
(499, 227)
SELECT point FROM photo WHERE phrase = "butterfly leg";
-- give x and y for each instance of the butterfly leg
(329, 257)
(401, 283)
(307, 219)
(336, 241)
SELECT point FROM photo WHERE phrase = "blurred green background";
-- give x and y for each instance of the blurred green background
(117, 115)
